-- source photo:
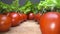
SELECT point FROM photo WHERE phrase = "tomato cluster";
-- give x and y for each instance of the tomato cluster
(49, 21)
(11, 19)
(14, 19)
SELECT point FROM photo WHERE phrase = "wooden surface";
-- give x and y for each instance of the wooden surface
(28, 27)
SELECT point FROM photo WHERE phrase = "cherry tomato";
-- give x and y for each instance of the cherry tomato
(21, 16)
(5, 23)
(24, 17)
(37, 17)
(16, 19)
(49, 23)
(31, 16)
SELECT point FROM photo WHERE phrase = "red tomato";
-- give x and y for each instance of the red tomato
(24, 17)
(37, 17)
(31, 16)
(49, 23)
(5, 23)
(16, 19)
(21, 16)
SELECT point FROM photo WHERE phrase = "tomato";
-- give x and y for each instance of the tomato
(21, 16)
(16, 19)
(24, 17)
(5, 23)
(31, 16)
(49, 23)
(37, 17)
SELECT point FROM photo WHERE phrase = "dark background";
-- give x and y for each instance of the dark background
(21, 2)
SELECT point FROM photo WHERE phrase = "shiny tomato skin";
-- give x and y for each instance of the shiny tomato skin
(31, 16)
(49, 23)
(37, 17)
(5, 23)
(16, 19)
